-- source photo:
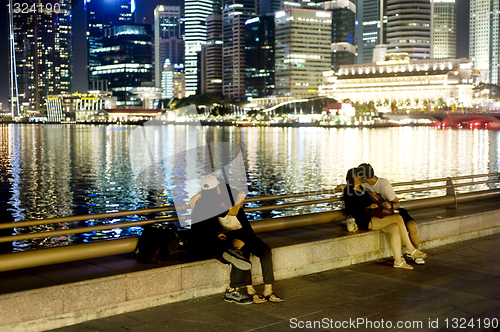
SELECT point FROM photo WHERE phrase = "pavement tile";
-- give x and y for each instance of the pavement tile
(448, 286)
(84, 327)
(481, 307)
(110, 322)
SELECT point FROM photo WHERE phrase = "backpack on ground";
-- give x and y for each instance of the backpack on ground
(157, 243)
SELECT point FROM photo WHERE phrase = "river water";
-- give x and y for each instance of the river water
(49, 171)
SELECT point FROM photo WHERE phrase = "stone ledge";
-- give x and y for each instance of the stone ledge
(57, 306)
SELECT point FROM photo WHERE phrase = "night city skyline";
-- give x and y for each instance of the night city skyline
(144, 13)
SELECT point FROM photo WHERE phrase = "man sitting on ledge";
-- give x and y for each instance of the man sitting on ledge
(384, 188)
(219, 227)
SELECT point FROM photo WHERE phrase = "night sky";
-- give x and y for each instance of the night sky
(144, 12)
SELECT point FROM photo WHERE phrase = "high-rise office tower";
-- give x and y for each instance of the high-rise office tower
(409, 28)
(123, 61)
(483, 36)
(213, 56)
(172, 81)
(371, 24)
(272, 6)
(444, 37)
(303, 50)
(168, 38)
(343, 32)
(100, 15)
(259, 71)
(196, 12)
(42, 56)
(234, 15)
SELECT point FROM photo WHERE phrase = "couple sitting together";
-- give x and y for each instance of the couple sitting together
(365, 195)
(221, 229)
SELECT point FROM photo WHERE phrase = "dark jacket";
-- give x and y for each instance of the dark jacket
(355, 204)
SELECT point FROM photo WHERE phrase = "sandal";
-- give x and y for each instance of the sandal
(418, 254)
(403, 265)
(276, 298)
(257, 298)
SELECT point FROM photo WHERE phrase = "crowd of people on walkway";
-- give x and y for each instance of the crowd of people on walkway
(221, 229)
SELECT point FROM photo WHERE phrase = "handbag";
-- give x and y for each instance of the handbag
(379, 212)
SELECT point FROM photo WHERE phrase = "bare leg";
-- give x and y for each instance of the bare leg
(268, 290)
(377, 224)
(413, 230)
(393, 230)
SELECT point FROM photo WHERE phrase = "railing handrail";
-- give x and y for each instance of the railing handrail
(108, 226)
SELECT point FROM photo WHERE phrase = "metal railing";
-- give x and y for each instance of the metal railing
(74, 252)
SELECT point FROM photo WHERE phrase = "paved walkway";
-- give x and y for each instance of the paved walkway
(457, 290)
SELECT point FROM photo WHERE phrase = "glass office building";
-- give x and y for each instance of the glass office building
(42, 57)
(123, 61)
(168, 34)
(259, 66)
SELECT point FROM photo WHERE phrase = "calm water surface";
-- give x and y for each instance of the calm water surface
(49, 171)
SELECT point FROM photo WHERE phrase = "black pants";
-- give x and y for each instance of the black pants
(253, 245)
(405, 215)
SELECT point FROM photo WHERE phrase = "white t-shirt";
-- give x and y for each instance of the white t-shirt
(230, 223)
(382, 187)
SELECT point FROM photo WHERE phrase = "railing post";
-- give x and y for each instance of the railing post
(450, 191)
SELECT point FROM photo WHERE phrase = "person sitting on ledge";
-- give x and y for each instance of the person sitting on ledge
(383, 187)
(357, 199)
(218, 228)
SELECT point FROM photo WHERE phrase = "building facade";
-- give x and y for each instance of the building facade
(371, 24)
(41, 61)
(409, 28)
(444, 36)
(101, 15)
(123, 61)
(77, 106)
(259, 65)
(196, 12)
(173, 81)
(213, 56)
(343, 32)
(302, 51)
(410, 83)
(483, 36)
(234, 15)
(168, 43)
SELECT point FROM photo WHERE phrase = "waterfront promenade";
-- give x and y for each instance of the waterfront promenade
(457, 290)
(460, 280)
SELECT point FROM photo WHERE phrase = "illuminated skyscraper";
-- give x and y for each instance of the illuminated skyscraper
(196, 12)
(43, 54)
(168, 38)
(444, 37)
(370, 27)
(483, 36)
(213, 56)
(409, 28)
(234, 15)
(123, 61)
(103, 14)
(259, 71)
(343, 38)
(300, 62)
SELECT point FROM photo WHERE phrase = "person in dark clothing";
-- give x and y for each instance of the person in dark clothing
(219, 227)
(357, 201)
